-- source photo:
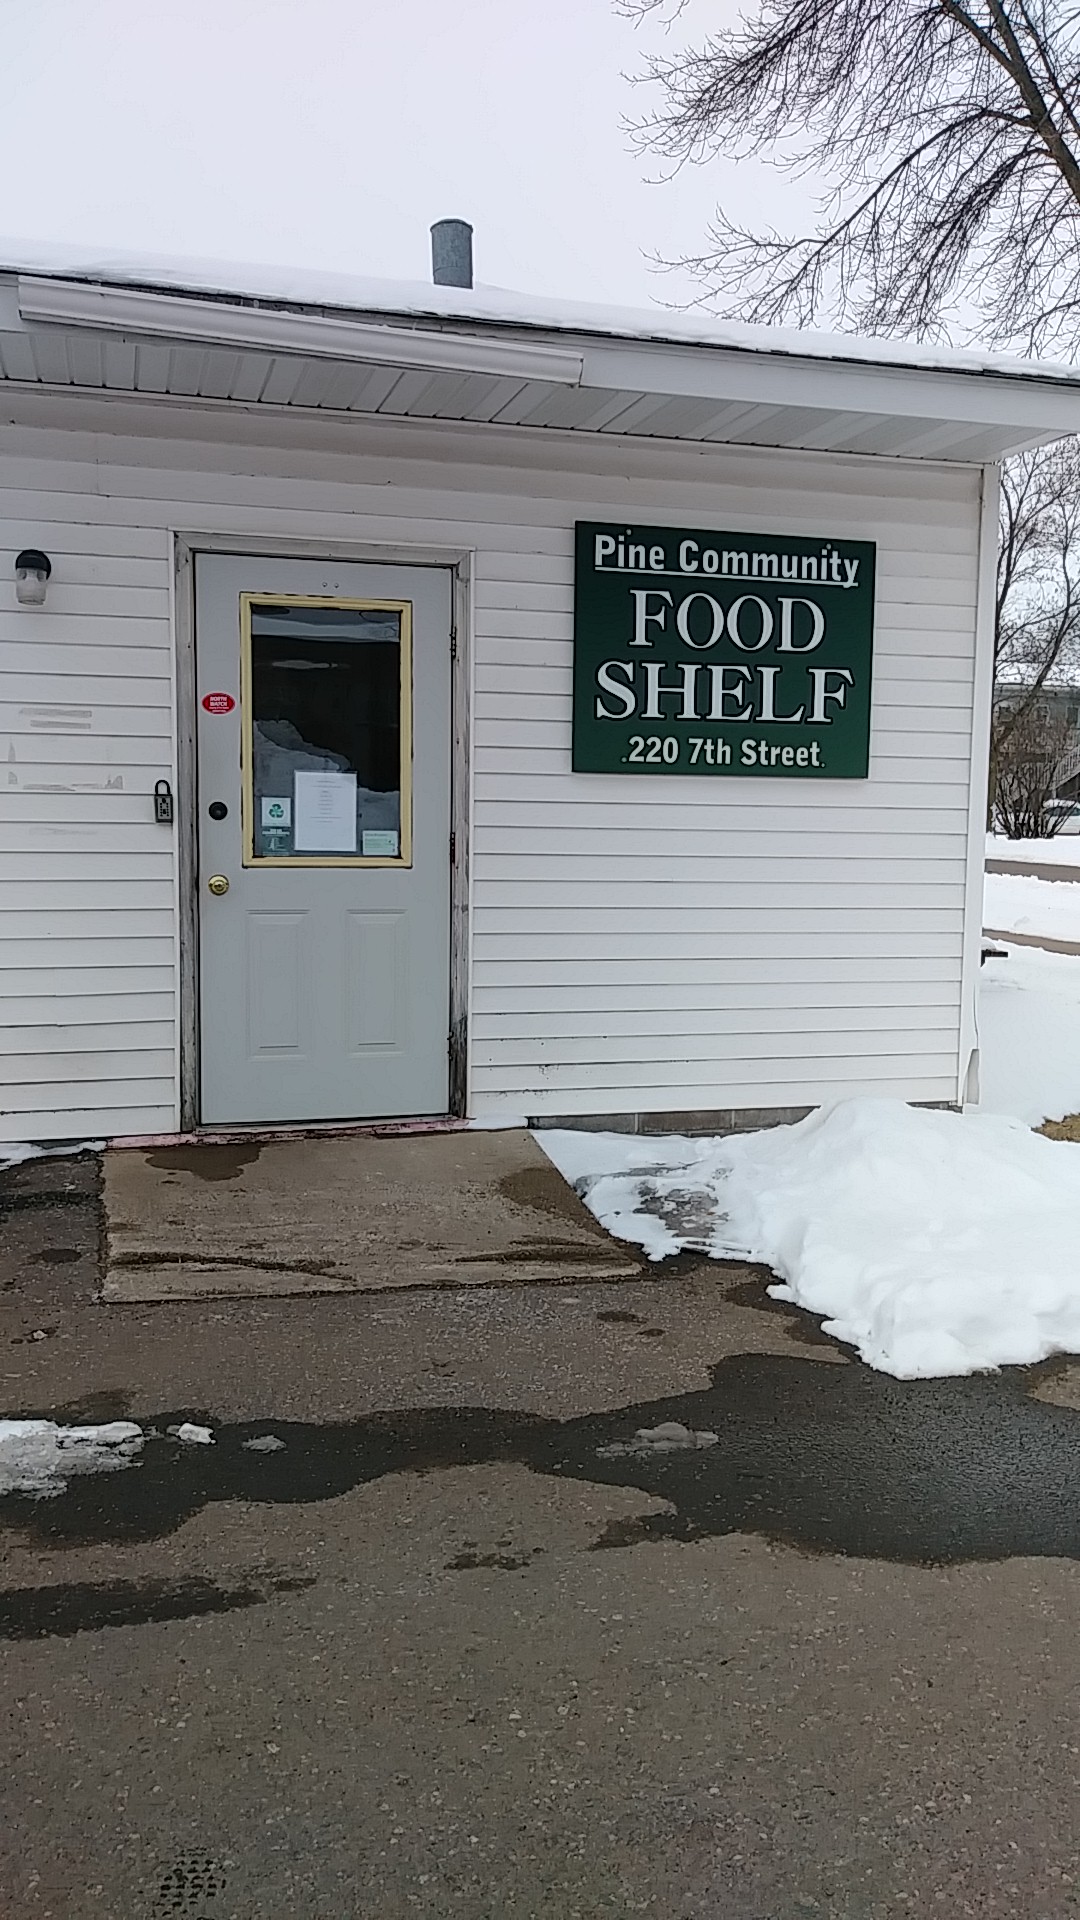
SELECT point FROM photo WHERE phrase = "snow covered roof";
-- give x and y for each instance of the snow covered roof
(81, 317)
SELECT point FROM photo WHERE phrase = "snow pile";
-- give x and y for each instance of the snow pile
(933, 1243)
(39, 1457)
(1020, 903)
(1029, 1035)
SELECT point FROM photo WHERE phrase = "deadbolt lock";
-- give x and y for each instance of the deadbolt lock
(217, 883)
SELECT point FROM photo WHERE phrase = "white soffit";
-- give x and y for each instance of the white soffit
(99, 335)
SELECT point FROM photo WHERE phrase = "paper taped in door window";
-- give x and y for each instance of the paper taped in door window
(376, 844)
(325, 812)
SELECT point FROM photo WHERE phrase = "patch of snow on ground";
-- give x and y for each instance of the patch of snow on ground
(669, 1437)
(1019, 903)
(14, 1152)
(638, 1187)
(933, 1243)
(39, 1457)
(1029, 1035)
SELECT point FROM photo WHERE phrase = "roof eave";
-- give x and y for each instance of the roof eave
(1021, 406)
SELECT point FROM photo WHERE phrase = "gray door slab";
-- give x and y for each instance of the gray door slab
(347, 1215)
(323, 751)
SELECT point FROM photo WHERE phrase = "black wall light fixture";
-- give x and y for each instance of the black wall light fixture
(32, 570)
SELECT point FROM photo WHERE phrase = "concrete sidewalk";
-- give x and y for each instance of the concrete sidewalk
(348, 1213)
(1046, 941)
(1023, 868)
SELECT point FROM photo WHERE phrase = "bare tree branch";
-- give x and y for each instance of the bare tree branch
(947, 133)
(1028, 765)
(1037, 634)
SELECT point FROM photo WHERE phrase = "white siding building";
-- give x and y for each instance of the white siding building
(248, 495)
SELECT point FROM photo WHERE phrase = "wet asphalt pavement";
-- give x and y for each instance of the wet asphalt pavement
(470, 1643)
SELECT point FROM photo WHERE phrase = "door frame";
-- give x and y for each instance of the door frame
(458, 562)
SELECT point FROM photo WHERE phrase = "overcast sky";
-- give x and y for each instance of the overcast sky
(331, 133)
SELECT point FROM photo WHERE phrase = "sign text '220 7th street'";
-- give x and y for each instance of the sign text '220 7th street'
(721, 653)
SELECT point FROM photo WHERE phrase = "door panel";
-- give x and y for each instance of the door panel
(275, 975)
(378, 961)
(323, 749)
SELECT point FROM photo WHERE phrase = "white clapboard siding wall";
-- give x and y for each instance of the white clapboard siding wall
(637, 945)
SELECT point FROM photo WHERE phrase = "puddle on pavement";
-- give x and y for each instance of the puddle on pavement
(40, 1613)
(224, 1161)
(469, 1560)
(542, 1190)
(800, 1327)
(829, 1458)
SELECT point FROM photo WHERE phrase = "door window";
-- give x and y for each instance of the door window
(326, 697)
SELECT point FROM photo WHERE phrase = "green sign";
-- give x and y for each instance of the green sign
(721, 653)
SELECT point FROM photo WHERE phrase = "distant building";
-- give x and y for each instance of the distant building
(1058, 708)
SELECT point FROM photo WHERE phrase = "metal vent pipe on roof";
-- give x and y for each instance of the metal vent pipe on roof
(451, 253)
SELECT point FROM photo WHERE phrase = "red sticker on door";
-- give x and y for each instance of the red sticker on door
(218, 702)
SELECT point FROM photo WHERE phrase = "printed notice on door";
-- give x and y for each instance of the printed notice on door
(324, 811)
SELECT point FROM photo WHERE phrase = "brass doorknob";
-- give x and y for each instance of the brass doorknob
(217, 883)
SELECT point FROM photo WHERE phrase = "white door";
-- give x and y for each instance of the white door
(323, 754)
